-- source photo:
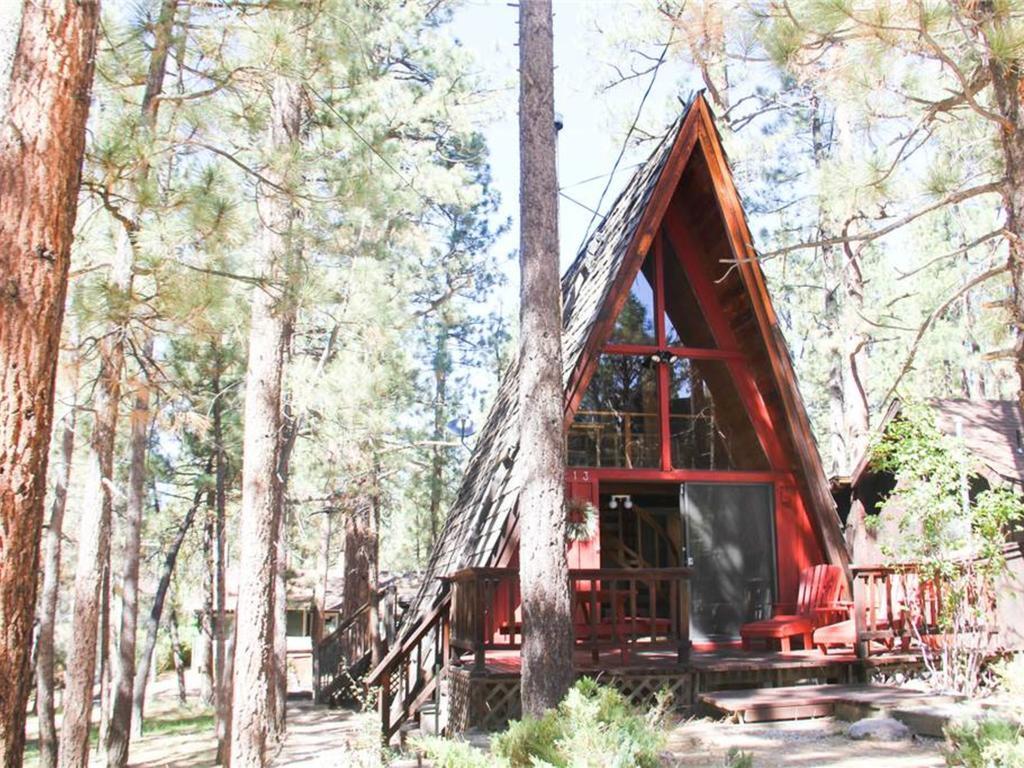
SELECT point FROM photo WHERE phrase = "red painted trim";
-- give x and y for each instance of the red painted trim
(693, 352)
(665, 426)
(619, 474)
(659, 290)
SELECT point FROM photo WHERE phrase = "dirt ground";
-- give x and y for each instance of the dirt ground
(808, 743)
(183, 737)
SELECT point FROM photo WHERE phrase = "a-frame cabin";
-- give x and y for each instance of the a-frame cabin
(697, 487)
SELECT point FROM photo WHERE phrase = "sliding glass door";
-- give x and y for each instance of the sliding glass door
(730, 544)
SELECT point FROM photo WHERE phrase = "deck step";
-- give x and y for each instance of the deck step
(755, 705)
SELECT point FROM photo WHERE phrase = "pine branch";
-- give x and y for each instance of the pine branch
(865, 237)
(933, 317)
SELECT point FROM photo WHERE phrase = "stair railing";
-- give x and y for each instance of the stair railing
(337, 653)
(409, 674)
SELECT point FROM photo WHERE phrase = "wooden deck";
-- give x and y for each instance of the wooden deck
(802, 701)
(728, 660)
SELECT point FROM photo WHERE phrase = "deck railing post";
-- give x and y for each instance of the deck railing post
(479, 654)
(859, 614)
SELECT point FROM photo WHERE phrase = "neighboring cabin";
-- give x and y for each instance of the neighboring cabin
(993, 432)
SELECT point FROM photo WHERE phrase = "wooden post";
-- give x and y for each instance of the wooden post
(859, 615)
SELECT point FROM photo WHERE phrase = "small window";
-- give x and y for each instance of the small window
(685, 325)
(635, 324)
(617, 423)
(708, 424)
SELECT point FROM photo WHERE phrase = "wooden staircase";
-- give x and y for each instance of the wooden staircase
(411, 673)
(342, 657)
(633, 538)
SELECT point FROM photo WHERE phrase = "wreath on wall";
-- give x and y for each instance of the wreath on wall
(581, 520)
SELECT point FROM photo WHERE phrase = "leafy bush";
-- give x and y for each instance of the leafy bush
(594, 726)
(531, 739)
(737, 758)
(452, 753)
(990, 743)
(1009, 674)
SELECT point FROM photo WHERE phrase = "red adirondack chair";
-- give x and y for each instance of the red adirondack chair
(821, 587)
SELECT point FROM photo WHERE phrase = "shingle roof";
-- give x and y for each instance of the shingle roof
(993, 431)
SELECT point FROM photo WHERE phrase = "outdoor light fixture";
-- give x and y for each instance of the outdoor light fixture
(625, 499)
(656, 357)
(672, 358)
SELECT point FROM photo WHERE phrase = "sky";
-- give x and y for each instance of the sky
(594, 123)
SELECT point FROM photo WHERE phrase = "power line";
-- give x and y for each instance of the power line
(629, 134)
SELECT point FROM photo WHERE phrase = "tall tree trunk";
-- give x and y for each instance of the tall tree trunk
(222, 714)
(42, 140)
(93, 549)
(153, 621)
(96, 517)
(103, 660)
(177, 653)
(373, 572)
(254, 658)
(120, 718)
(442, 367)
(288, 436)
(51, 576)
(1006, 88)
(202, 653)
(547, 669)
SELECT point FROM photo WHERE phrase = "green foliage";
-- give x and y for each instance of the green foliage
(988, 743)
(1009, 675)
(453, 753)
(593, 726)
(531, 740)
(737, 758)
(943, 521)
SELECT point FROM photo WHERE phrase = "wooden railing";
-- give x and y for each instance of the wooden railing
(894, 604)
(408, 675)
(620, 609)
(339, 652)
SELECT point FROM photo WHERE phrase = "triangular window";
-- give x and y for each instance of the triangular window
(685, 324)
(636, 321)
(652, 402)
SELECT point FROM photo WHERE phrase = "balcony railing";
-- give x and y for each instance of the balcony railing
(614, 609)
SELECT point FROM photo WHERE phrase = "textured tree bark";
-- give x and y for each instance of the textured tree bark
(547, 670)
(254, 647)
(93, 547)
(222, 712)
(153, 621)
(51, 576)
(373, 572)
(288, 435)
(1006, 87)
(42, 139)
(120, 718)
(442, 366)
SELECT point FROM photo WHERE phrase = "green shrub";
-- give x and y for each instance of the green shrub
(737, 758)
(452, 753)
(529, 740)
(593, 726)
(990, 743)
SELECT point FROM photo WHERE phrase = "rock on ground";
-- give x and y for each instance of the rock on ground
(878, 729)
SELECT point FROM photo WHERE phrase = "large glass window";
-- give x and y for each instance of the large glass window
(647, 408)
(708, 423)
(618, 421)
